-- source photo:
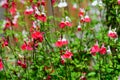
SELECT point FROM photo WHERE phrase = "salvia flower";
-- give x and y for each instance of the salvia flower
(26, 46)
(61, 42)
(103, 50)
(1, 65)
(53, 2)
(43, 3)
(4, 4)
(118, 2)
(68, 55)
(42, 17)
(75, 6)
(81, 12)
(29, 11)
(13, 9)
(112, 34)
(62, 24)
(62, 4)
(15, 20)
(79, 27)
(22, 64)
(7, 23)
(87, 19)
(94, 49)
(68, 21)
(36, 35)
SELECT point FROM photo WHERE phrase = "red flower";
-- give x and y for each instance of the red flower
(5, 43)
(26, 46)
(82, 20)
(112, 34)
(23, 65)
(69, 24)
(12, 10)
(94, 49)
(61, 43)
(7, 23)
(103, 50)
(43, 3)
(42, 17)
(1, 65)
(62, 24)
(37, 36)
(81, 12)
(53, 2)
(48, 77)
(62, 61)
(4, 4)
(87, 19)
(67, 55)
(19, 62)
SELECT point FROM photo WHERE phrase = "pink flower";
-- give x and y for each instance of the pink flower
(37, 36)
(67, 55)
(81, 12)
(62, 24)
(87, 19)
(103, 50)
(94, 49)
(119, 2)
(1, 65)
(112, 34)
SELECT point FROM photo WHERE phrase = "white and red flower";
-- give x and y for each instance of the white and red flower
(61, 42)
(81, 12)
(87, 19)
(112, 34)
(29, 11)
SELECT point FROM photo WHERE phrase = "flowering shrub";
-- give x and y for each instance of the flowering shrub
(88, 50)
